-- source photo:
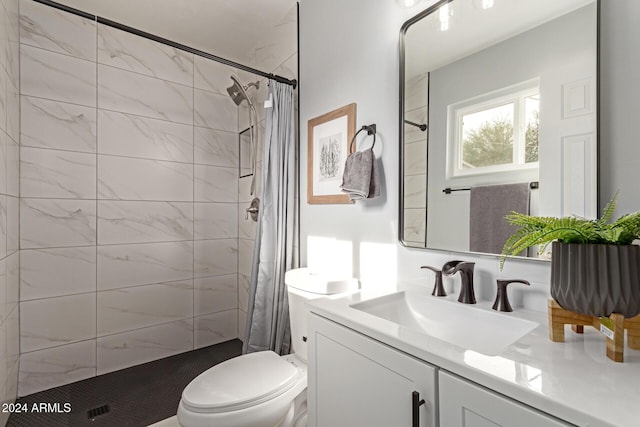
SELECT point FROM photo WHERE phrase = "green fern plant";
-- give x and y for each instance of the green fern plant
(541, 231)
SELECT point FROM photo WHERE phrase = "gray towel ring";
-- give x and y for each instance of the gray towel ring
(371, 130)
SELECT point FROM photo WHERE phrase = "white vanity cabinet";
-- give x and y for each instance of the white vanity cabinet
(464, 404)
(356, 381)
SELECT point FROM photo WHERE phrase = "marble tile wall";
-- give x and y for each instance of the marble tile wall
(9, 201)
(129, 200)
(415, 168)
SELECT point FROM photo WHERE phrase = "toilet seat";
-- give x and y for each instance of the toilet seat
(239, 383)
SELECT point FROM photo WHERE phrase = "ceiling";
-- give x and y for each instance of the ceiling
(232, 29)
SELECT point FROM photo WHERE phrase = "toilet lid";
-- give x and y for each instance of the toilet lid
(240, 382)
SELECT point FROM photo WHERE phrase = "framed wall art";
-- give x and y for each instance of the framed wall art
(328, 148)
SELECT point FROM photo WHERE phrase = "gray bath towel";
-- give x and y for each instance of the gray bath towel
(488, 230)
(360, 179)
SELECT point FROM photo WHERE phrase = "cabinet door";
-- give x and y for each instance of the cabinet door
(355, 381)
(464, 404)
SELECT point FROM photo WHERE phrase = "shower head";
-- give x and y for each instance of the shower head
(238, 92)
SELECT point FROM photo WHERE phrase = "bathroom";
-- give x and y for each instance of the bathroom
(355, 62)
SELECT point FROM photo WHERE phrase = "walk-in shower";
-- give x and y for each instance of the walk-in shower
(238, 93)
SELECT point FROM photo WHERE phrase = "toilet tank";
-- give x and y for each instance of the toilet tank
(303, 286)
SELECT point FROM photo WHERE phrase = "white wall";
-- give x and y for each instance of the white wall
(349, 53)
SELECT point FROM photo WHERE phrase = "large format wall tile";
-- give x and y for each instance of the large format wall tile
(215, 111)
(13, 168)
(215, 184)
(53, 367)
(415, 191)
(4, 78)
(56, 321)
(13, 112)
(121, 266)
(12, 64)
(13, 224)
(3, 305)
(3, 226)
(12, 293)
(280, 42)
(57, 174)
(56, 223)
(48, 28)
(243, 292)
(139, 222)
(215, 328)
(215, 294)
(415, 154)
(130, 52)
(55, 76)
(245, 256)
(49, 273)
(128, 135)
(215, 147)
(215, 257)
(246, 226)
(128, 92)
(215, 220)
(54, 124)
(4, 142)
(212, 76)
(129, 213)
(123, 178)
(143, 345)
(126, 309)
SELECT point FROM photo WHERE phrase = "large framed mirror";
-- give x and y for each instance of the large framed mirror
(498, 113)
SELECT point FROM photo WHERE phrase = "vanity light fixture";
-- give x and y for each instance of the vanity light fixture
(487, 4)
(405, 4)
(444, 15)
(484, 4)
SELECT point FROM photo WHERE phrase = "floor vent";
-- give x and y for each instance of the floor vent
(95, 412)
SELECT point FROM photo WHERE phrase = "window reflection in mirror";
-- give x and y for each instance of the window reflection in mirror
(496, 93)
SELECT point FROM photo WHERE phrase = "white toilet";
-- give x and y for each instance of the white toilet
(262, 389)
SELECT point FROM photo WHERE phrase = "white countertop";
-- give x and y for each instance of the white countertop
(573, 381)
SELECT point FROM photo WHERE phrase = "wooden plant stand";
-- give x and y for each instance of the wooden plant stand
(558, 317)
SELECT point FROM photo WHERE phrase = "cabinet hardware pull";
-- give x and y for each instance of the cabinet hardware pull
(416, 402)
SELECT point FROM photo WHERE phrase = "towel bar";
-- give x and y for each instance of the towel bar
(533, 185)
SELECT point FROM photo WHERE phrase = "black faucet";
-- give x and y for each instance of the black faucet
(502, 301)
(467, 295)
(438, 289)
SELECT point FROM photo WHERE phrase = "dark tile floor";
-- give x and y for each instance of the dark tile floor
(136, 396)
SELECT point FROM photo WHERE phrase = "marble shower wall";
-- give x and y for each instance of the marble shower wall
(278, 55)
(415, 167)
(9, 201)
(129, 200)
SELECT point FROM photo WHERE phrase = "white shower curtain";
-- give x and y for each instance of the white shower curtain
(268, 311)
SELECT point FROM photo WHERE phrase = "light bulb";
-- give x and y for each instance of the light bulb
(487, 4)
(407, 3)
(444, 14)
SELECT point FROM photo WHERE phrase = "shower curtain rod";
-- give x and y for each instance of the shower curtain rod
(167, 42)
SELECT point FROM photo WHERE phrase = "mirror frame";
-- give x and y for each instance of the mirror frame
(401, 84)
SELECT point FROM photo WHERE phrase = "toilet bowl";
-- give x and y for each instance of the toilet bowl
(262, 389)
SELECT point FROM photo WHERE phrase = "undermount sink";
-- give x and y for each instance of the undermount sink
(476, 329)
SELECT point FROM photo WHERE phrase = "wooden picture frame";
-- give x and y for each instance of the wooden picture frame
(328, 147)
